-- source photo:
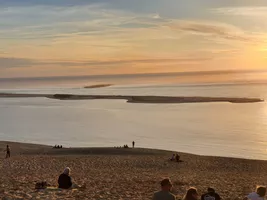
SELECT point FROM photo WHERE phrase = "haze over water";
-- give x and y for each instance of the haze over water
(221, 129)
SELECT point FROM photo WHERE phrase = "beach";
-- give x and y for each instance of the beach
(111, 173)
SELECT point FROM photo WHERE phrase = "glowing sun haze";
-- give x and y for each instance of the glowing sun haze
(89, 37)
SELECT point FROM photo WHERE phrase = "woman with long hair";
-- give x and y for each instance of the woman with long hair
(191, 194)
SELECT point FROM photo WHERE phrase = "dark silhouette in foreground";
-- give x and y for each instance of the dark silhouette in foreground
(211, 194)
(133, 143)
(191, 194)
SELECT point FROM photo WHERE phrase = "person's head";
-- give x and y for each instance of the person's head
(166, 184)
(211, 190)
(261, 191)
(7, 146)
(66, 171)
(191, 194)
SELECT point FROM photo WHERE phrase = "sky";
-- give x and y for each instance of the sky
(41, 38)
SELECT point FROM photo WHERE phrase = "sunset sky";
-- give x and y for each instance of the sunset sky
(88, 37)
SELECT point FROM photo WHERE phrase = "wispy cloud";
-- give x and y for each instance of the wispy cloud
(214, 29)
(9, 62)
(242, 11)
(103, 35)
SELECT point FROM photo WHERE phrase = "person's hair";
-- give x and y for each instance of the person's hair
(66, 171)
(261, 191)
(165, 182)
(189, 194)
(211, 190)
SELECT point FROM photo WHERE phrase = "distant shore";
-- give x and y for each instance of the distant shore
(97, 86)
(111, 173)
(137, 99)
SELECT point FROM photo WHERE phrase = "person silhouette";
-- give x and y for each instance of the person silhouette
(133, 143)
(7, 151)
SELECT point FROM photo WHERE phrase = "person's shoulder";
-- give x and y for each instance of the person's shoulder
(173, 197)
(157, 193)
(63, 175)
(169, 195)
(253, 195)
(204, 194)
(217, 196)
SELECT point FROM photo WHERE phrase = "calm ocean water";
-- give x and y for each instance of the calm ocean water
(221, 129)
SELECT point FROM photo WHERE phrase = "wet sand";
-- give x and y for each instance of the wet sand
(113, 174)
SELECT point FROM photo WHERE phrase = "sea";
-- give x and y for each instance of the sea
(214, 129)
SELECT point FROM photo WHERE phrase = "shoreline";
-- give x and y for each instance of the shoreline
(22, 148)
(137, 99)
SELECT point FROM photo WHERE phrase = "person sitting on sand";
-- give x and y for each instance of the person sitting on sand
(191, 194)
(258, 195)
(165, 192)
(210, 195)
(173, 157)
(177, 158)
(64, 180)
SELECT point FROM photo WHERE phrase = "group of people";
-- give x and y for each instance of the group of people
(175, 157)
(65, 182)
(58, 147)
(126, 146)
(192, 193)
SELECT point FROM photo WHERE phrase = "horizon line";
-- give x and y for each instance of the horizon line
(185, 73)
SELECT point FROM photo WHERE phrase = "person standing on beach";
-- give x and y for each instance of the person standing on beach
(133, 143)
(7, 151)
(165, 193)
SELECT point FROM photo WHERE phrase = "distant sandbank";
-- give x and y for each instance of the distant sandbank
(97, 86)
(137, 99)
